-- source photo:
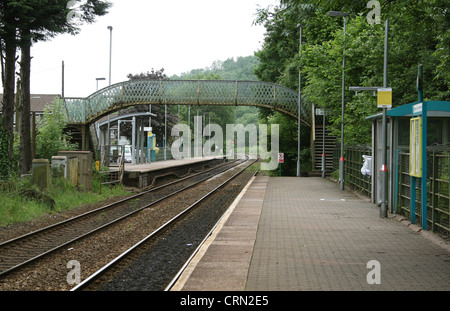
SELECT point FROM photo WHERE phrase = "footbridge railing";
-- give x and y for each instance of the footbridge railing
(185, 92)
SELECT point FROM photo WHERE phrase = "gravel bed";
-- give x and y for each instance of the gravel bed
(50, 273)
(156, 265)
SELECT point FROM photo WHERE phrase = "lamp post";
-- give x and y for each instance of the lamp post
(110, 51)
(383, 183)
(384, 170)
(299, 102)
(99, 79)
(342, 160)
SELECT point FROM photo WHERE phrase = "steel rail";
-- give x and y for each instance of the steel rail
(122, 256)
(13, 240)
(60, 224)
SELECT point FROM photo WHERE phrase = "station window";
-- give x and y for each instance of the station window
(434, 131)
(403, 132)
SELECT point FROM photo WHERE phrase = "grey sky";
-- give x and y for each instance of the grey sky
(176, 35)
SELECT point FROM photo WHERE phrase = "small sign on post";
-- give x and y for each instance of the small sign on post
(281, 158)
(384, 98)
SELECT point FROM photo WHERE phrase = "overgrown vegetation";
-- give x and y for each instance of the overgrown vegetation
(22, 201)
(50, 136)
(418, 34)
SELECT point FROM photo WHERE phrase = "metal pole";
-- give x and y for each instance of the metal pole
(118, 132)
(323, 147)
(133, 141)
(209, 122)
(189, 124)
(342, 160)
(138, 141)
(299, 103)
(384, 169)
(110, 51)
(62, 81)
(150, 116)
(165, 131)
(109, 131)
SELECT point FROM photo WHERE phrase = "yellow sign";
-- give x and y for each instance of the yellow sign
(415, 147)
(384, 98)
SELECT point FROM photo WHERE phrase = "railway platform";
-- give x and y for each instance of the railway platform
(143, 175)
(304, 234)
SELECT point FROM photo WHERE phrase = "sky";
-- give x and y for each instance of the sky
(176, 35)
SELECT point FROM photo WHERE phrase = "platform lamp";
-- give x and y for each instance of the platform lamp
(99, 79)
(110, 51)
(341, 160)
(299, 101)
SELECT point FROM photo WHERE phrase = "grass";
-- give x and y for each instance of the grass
(21, 201)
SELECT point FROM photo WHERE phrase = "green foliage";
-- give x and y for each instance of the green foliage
(240, 69)
(288, 144)
(418, 34)
(246, 115)
(50, 136)
(22, 201)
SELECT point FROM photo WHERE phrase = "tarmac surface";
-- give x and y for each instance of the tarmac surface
(304, 234)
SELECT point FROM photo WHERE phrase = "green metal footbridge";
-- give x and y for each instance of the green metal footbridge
(85, 111)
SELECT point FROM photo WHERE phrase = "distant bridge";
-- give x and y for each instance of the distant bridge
(84, 111)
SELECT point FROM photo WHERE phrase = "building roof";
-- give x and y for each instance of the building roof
(38, 101)
(434, 109)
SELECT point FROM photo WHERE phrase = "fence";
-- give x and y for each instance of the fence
(353, 163)
(438, 185)
(438, 191)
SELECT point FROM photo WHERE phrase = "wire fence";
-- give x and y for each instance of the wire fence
(438, 191)
(353, 162)
(438, 185)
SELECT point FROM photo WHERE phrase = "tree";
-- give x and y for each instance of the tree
(8, 46)
(418, 34)
(240, 69)
(50, 136)
(149, 75)
(21, 24)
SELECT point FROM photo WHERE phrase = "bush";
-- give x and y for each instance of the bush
(22, 201)
(50, 136)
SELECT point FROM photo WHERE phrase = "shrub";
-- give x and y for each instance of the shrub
(50, 136)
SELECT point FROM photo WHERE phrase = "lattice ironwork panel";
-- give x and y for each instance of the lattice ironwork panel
(185, 92)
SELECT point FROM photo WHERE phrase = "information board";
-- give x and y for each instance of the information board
(384, 98)
(415, 147)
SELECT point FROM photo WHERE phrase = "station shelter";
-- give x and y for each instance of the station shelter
(415, 133)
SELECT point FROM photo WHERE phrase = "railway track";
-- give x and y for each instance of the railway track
(23, 250)
(155, 262)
